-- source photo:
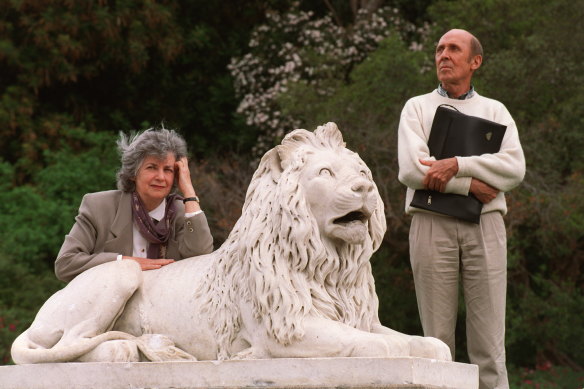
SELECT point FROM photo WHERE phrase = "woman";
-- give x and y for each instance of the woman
(141, 221)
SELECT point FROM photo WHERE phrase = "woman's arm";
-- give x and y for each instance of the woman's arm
(193, 232)
(77, 253)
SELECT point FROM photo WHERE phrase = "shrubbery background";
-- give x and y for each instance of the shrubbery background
(234, 76)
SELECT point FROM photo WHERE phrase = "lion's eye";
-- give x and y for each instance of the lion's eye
(326, 172)
(363, 173)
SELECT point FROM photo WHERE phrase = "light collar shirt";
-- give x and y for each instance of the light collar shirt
(442, 92)
(140, 244)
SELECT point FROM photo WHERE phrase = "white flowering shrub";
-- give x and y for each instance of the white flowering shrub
(298, 46)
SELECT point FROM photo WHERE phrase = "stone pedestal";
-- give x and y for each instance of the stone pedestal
(268, 373)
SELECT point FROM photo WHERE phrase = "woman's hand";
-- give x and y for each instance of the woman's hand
(149, 264)
(185, 185)
(183, 175)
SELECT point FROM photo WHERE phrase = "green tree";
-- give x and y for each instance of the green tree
(300, 45)
(64, 57)
(34, 218)
(122, 65)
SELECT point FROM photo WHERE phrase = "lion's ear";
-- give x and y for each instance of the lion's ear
(278, 158)
(271, 160)
(331, 134)
(290, 143)
(285, 151)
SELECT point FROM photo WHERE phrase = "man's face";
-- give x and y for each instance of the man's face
(454, 64)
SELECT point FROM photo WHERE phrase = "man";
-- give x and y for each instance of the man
(442, 246)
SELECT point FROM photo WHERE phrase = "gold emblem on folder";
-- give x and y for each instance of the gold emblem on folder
(489, 135)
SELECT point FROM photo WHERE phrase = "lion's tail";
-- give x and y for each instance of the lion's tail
(25, 351)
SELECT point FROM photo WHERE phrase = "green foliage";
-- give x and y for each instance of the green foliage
(545, 376)
(556, 308)
(372, 90)
(34, 218)
(85, 162)
(113, 66)
(52, 52)
(397, 298)
(301, 46)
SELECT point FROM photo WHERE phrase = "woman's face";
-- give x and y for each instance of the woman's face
(154, 180)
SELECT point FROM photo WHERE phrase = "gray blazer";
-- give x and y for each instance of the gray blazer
(103, 230)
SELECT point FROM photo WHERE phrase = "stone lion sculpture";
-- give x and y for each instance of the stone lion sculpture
(293, 279)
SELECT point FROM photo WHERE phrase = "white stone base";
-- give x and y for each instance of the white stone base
(267, 373)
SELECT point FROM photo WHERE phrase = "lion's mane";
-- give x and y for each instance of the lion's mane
(276, 260)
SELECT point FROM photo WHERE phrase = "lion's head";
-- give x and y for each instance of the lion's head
(320, 175)
(339, 192)
(310, 223)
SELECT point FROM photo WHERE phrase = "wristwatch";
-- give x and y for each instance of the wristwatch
(194, 198)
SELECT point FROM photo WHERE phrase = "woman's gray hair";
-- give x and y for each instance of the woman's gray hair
(136, 147)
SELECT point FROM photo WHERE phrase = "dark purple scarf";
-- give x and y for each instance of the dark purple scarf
(157, 234)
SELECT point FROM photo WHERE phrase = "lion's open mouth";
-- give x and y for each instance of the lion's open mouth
(351, 228)
(355, 216)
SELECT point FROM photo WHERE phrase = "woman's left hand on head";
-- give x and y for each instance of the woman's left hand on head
(185, 185)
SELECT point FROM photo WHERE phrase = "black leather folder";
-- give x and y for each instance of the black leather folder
(454, 134)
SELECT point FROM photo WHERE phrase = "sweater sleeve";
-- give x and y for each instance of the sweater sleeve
(503, 170)
(413, 133)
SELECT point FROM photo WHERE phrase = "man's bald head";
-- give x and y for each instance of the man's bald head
(475, 45)
(458, 55)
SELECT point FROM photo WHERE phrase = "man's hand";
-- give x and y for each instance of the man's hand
(440, 173)
(149, 264)
(485, 193)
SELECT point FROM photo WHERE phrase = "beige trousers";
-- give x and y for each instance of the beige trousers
(441, 249)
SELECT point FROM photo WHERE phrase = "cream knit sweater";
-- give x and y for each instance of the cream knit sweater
(503, 170)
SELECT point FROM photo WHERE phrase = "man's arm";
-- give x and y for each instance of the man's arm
(413, 149)
(442, 171)
(485, 193)
(503, 170)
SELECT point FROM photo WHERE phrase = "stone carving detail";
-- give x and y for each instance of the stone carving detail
(293, 279)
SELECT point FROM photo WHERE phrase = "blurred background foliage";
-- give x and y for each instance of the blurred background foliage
(74, 74)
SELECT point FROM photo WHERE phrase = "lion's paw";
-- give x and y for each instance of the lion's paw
(250, 353)
(428, 347)
(159, 348)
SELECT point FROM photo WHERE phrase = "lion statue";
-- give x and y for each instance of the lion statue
(293, 279)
